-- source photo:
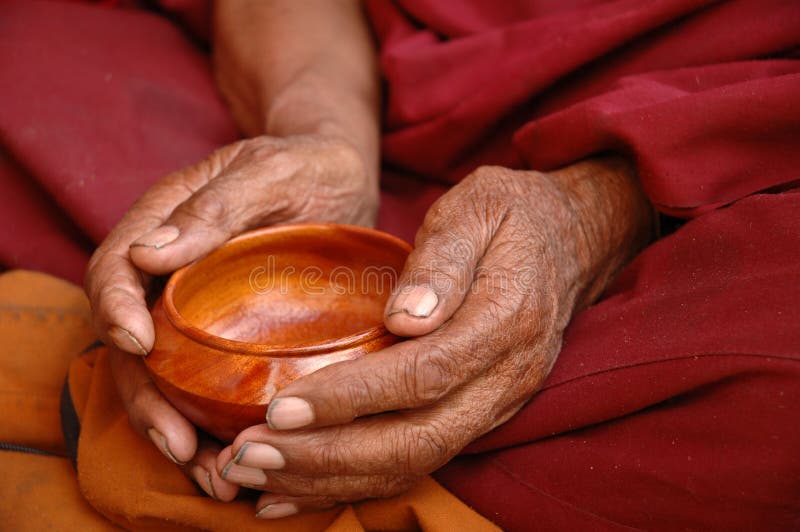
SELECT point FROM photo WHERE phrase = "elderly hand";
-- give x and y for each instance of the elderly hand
(502, 262)
(252, 183)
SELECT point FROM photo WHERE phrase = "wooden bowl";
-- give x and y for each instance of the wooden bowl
(268, 307)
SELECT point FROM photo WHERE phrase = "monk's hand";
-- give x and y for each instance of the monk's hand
(502, 262)
(249, 184)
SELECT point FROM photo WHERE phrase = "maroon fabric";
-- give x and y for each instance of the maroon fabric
(98, 104)
(672, 84)
(672, 403)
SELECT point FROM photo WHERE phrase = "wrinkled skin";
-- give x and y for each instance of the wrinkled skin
(502, 263)
(249, 184)
(503, 260)
(510, 256)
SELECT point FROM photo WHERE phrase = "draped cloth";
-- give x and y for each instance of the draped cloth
(122, 479)
(671, 404)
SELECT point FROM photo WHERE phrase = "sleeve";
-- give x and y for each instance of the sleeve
(701, 137)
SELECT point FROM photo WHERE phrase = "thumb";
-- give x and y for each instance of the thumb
(226, 206)
(437, 274)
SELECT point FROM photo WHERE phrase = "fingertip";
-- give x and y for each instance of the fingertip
(225, 491)
(122, 319)
(155, 261)
(276, 506)
(205, 473)
(154, 252)
(404, 325)
(255, 432)
(213, 486)
(175, 254)
(175, 437)
(124, 340)
(414, 311)
(157, 238)
(416, 301)
(224, 457)
(277, 510)
(287, 413)
(163, 445)
(181, 440)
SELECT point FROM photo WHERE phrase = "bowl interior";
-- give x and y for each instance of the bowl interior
(291, 286)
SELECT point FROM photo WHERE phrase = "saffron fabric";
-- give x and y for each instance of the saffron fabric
(121, 479)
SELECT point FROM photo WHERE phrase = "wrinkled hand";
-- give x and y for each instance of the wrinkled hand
(249, 184)
(502, 262)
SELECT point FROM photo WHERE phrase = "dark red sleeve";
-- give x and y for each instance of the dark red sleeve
(701, 137)
(701, 96)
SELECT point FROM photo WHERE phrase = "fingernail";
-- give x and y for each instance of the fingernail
(417, 301)
(243, 475)
(157, 238)
(259, 455)
(277, 510)
(126, 341)
(289, 413)
(203, 479)
(161, 442)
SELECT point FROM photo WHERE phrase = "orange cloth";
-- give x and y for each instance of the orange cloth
(44, 322)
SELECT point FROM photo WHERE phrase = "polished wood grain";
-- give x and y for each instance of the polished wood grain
(266, 308)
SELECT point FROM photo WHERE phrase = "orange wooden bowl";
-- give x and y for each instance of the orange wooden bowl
(264, 309)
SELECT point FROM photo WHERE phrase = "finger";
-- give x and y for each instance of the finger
(411, 374)
(238, 198)
(150, 414)
(341, 487)
(400, 444)
(389, 444)
(202, 469)
(116, 291)
(114, 285)
(423, 370)
(274, 506)
(440, 270)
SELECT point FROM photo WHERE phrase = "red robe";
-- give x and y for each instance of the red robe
(672, 404)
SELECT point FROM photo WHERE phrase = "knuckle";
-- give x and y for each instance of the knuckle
(355, 397)
(208, 207)
(492, 191)
(436, 272)
(428, 375)
(426, 448)
(328, 458)
(291, 484)
(346, 155)
(102, 267)
(453, 207)
(501, 298)
(439, 216)
(113, 294)
(262, 147)
(442, 261)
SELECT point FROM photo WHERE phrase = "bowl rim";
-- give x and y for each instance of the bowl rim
(248, 348)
